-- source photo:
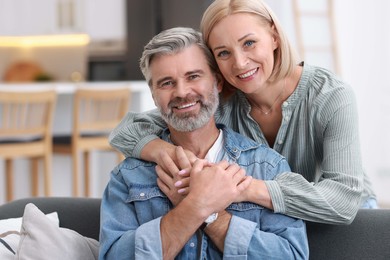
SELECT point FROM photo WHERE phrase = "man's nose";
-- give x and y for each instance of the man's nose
(181, 89)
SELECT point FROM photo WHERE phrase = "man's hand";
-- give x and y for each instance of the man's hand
(214, 187)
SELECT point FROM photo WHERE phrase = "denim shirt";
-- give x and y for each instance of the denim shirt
(132, 207)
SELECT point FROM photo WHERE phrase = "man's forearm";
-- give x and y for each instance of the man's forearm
(217, 230)
(177, 227)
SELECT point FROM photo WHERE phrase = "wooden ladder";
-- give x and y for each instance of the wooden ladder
(316, 33)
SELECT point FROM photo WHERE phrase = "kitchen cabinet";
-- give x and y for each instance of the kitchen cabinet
(146, 18)
(26, 17)
(101, 19)
(105, 19)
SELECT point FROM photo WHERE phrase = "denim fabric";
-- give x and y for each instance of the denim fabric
(370, 203)
(133, 205)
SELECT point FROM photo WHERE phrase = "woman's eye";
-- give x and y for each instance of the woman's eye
(222, 54)
(249, 43)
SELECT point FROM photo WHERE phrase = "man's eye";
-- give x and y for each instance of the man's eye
(166, 84)
(192, 77)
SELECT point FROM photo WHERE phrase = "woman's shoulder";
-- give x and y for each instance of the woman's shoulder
(323, 85)
(324, 94)
(323, 79)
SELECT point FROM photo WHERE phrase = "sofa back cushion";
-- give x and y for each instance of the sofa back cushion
(368, 237)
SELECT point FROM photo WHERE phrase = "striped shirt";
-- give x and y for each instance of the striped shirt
(318, 135)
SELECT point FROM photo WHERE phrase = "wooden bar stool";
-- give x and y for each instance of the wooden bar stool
(96, 112)
(26, 131)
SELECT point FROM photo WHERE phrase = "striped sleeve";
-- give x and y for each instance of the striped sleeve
(135, 131)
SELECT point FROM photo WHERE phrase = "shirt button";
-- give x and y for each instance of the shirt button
(286, 118)
(142, 194)
(285, 104)
(192, 244)
(280, 141)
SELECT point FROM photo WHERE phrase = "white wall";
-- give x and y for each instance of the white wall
(364, 41)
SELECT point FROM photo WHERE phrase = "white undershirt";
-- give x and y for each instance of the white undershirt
(213, 153)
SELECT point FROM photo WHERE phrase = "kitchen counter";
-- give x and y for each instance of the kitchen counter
(141, 99)
(70, 87)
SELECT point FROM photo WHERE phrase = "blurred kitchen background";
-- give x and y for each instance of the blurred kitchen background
(102, 41)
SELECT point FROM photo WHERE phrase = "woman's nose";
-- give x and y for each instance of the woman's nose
(240, 60)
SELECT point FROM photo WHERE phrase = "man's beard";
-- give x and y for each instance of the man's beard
(187, 122)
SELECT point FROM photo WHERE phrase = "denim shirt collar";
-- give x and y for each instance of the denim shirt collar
(233, 143)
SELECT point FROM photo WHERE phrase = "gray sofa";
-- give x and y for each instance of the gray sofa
(368, 237)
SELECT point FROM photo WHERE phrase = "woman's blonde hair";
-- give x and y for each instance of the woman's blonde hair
(284, 55)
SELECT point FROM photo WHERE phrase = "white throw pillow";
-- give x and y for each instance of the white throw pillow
(41, 239)
(16, 223)
(10, 235)
(8, 244)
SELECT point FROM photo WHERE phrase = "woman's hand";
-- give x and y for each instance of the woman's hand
(173, 174)
(157, 151)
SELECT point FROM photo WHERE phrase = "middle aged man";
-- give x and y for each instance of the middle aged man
(214, 219)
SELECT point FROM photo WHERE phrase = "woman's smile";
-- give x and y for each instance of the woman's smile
(248, 74)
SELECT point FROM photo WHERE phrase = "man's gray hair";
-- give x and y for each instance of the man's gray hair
(172, 41)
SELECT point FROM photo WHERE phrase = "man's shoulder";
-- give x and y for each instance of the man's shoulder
(133, 165)
(246, 149)
(234, 138)
(133, 172)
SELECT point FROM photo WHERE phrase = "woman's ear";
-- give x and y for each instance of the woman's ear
(275, 37)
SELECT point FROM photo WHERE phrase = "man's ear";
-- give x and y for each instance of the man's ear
(220, 81)
(152, 92)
